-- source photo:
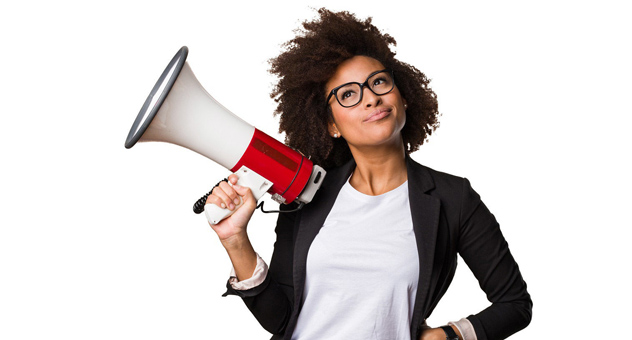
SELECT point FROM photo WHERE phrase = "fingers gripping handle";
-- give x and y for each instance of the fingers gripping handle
(247, 178)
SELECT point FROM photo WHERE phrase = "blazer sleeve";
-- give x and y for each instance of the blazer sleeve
(271, 302)
(485, 251)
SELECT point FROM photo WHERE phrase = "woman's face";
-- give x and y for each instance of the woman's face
(377, 119)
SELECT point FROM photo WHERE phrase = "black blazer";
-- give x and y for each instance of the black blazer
(448, 218)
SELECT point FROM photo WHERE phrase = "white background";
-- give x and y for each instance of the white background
(99, 242)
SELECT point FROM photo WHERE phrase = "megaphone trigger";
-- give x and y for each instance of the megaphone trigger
(247, 178)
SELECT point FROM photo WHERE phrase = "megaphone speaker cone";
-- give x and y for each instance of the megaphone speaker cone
(156, 97)
(179, 111)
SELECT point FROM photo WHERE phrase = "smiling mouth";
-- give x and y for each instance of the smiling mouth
(377, 115)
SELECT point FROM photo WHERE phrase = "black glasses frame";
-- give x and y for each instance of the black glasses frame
(334, 91)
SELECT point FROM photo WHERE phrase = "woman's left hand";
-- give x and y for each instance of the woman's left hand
(434, 334)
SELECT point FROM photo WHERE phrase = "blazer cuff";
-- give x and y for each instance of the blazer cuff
(465, 328)
(251, 286)
(257, 278)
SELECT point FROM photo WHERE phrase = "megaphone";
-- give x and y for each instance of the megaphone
(179, 111)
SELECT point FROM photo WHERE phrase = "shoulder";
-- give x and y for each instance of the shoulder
(454, 192)
(441, 177)
(435, 182)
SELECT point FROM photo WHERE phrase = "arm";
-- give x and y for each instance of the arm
(232, 230)
(485, 251)
(271, 302)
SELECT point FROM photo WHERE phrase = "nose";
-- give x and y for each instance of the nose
(370, 99)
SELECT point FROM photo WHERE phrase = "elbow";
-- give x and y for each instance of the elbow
(502, 319)
(529, 313)
(524, 309)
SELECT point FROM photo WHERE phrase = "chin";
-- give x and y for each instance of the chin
(394, 138)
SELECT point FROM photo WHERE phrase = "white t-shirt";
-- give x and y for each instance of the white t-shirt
(362, 270)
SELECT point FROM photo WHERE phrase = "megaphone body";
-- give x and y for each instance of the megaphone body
(179, 111)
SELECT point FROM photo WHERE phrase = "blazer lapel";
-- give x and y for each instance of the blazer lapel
(425, 215)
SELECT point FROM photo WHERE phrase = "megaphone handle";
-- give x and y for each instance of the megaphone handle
(247, 178)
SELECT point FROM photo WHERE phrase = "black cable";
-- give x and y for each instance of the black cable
(198, 207)
(260, 206)
(295, 175)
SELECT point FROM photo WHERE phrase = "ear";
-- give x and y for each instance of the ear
(331, 127)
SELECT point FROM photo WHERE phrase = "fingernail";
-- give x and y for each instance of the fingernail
(231, 206)
(223, 206)
(236, 200)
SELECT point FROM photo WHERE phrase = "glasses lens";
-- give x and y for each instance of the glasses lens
(381, 83)
(349, 94)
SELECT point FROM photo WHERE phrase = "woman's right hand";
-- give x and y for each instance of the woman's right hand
(232, 229)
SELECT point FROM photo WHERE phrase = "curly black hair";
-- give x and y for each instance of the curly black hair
(311, 59)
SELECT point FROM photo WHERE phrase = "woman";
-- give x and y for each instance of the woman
(373, 253)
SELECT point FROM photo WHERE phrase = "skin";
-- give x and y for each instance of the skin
(232, 231)
(375, 143)
(372, 129)
(437, 334)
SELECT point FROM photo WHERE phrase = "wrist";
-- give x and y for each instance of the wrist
(451, 333)
(242, 256)
(236, 242)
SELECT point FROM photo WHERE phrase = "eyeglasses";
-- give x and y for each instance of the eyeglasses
(350, 94)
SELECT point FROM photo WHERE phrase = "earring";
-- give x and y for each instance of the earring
(405, 106)
(335, 135)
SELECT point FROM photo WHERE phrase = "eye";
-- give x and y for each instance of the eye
(379, 81)
(347, 94)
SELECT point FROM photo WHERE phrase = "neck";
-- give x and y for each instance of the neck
(380, 170)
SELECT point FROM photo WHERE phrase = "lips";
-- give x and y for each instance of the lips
(377, 115)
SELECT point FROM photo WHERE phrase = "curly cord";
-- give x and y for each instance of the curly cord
(198, 207)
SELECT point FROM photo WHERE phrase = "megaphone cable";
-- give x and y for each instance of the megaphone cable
(260, 206)
(198, 207)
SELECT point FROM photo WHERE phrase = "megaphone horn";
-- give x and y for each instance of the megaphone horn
(179, 111)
